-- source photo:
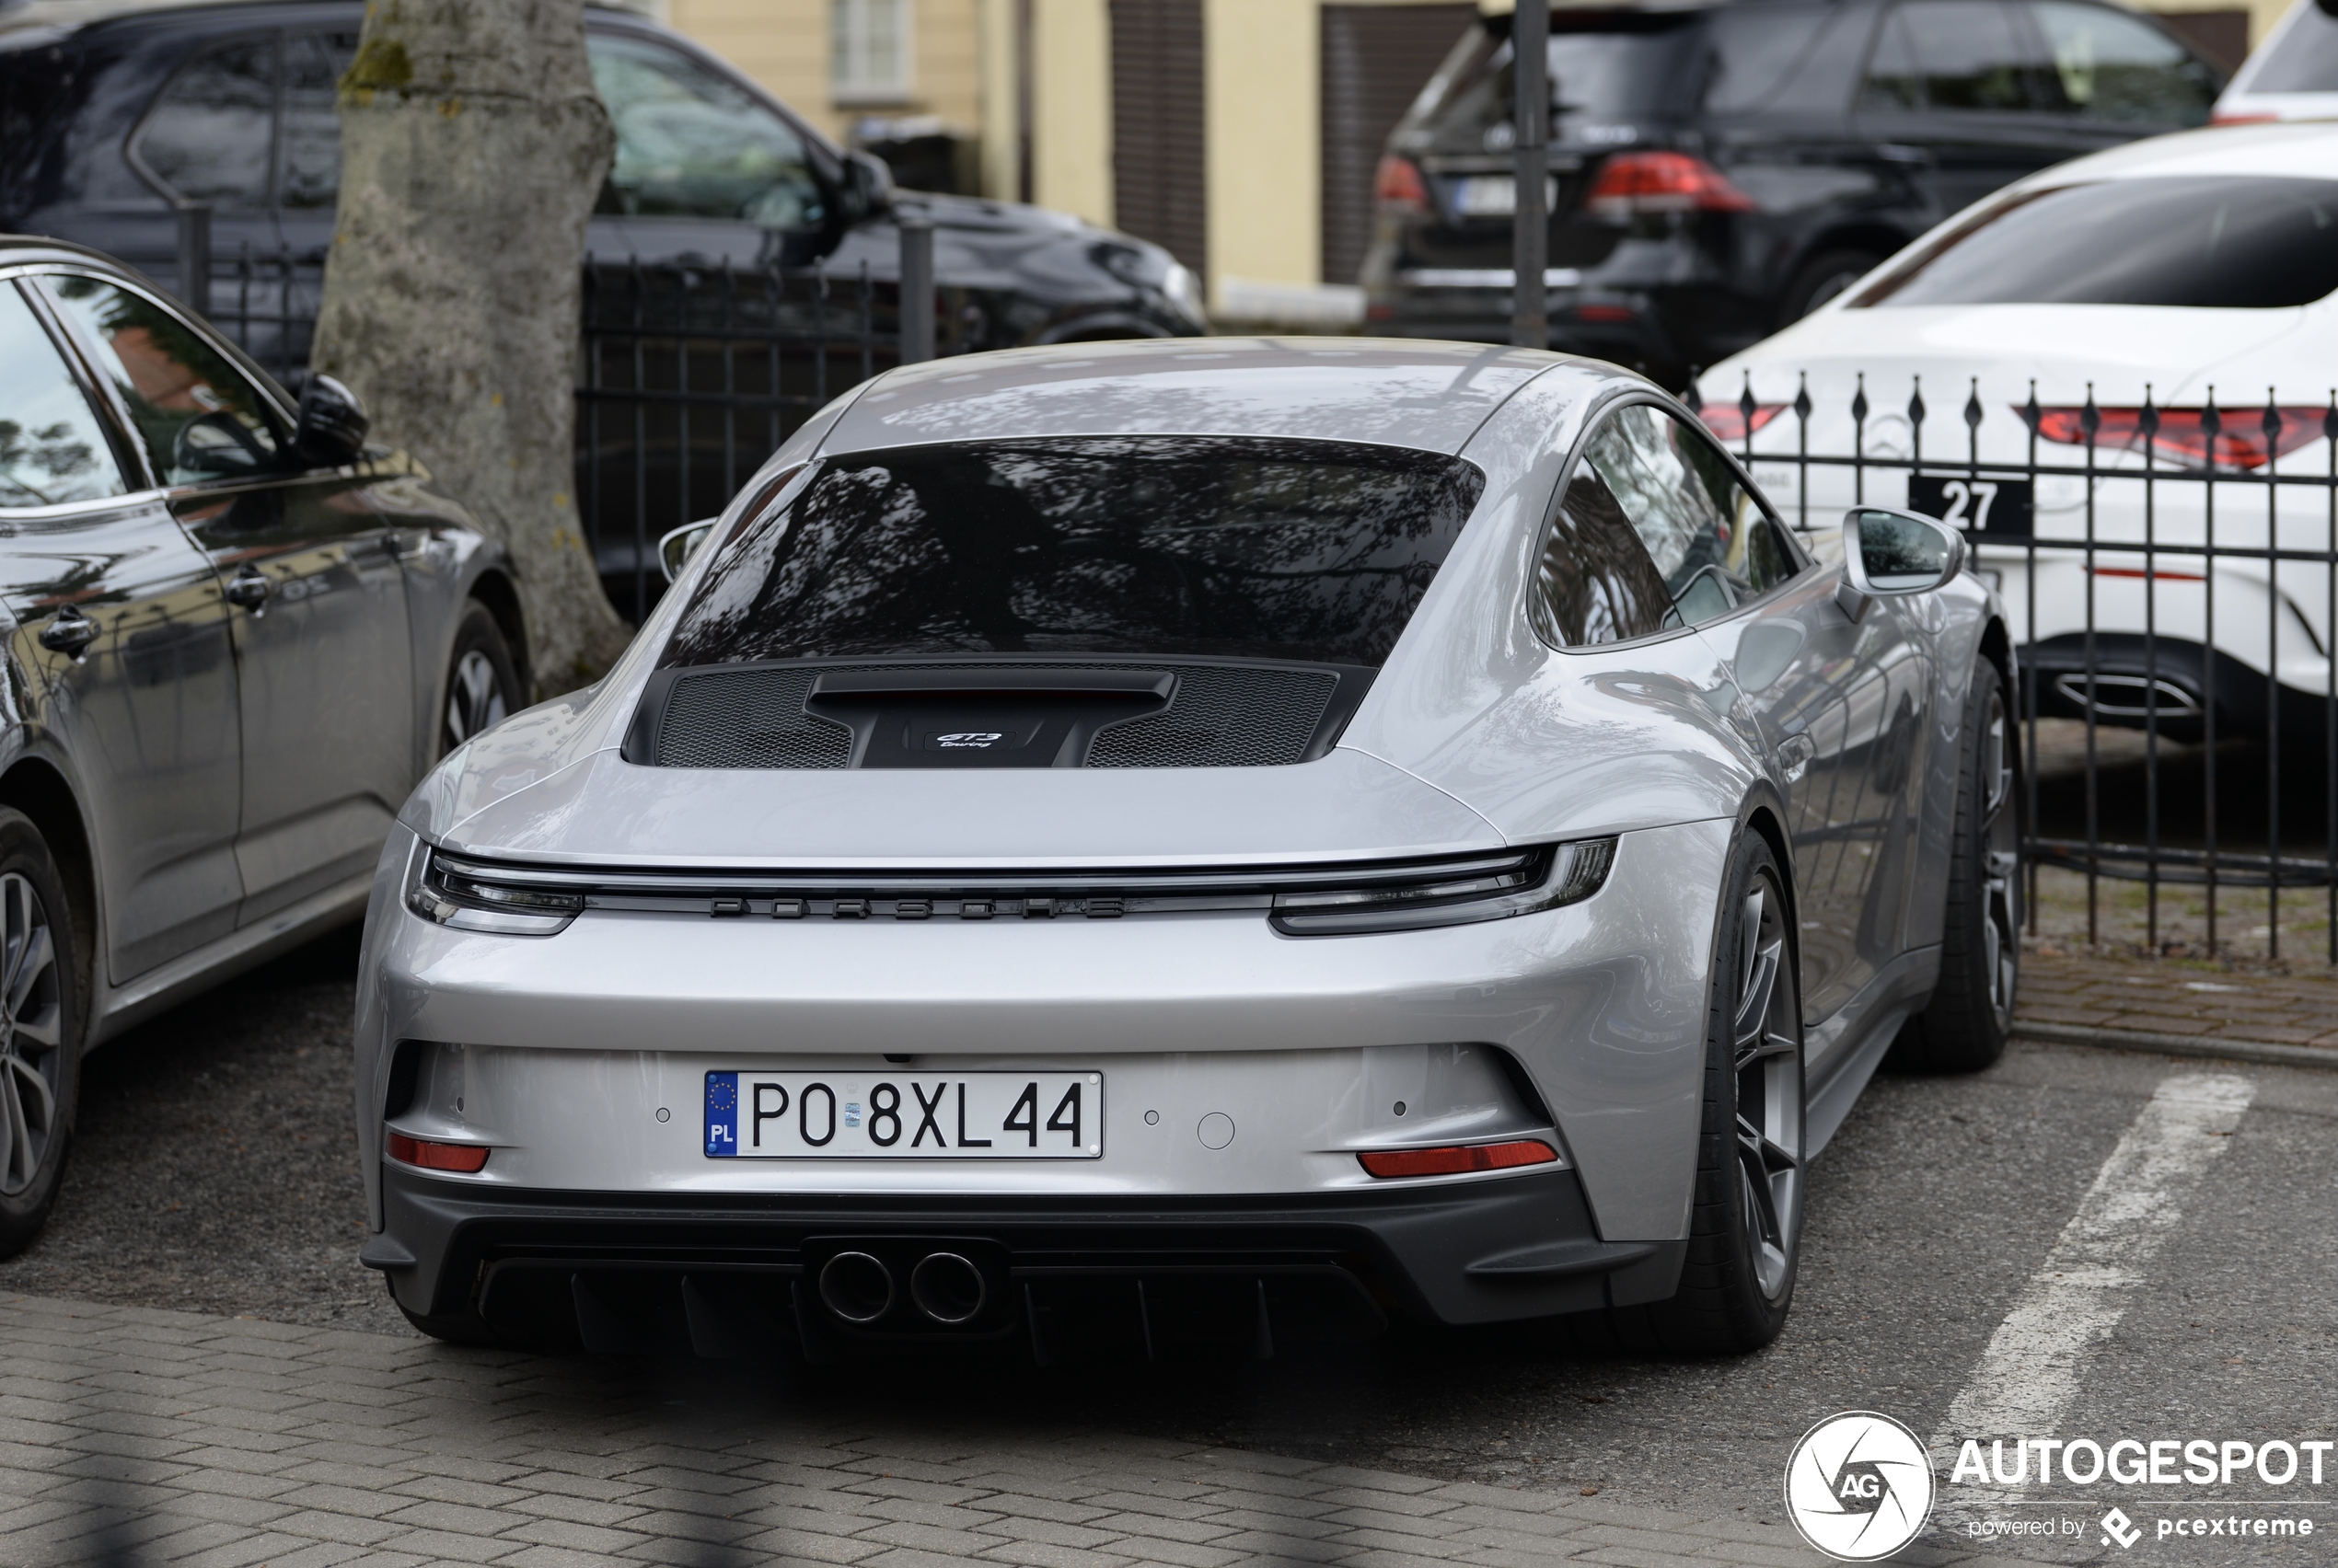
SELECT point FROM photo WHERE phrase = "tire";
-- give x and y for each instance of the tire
(1963, 1028)
(40, 1023)
(1745, 1221)
(482, 684)
(1821, 278)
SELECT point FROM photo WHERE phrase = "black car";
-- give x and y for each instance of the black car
(1718, 170)
(107, 126)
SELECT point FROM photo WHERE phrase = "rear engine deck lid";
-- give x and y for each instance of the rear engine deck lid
(607, 812)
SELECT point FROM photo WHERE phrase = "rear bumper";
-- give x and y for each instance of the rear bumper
(712, 1276)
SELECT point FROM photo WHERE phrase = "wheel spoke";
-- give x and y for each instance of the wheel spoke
(1762, 1217)
(15, 1172)
(37, 956)
(41, 1101)
(42, 1026)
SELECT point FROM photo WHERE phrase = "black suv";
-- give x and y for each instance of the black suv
(104, 125)
(1718, 170)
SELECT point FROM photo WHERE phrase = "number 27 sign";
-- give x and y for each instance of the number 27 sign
(1989, 505)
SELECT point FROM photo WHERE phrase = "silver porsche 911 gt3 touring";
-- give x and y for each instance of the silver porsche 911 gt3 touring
(1121, 847)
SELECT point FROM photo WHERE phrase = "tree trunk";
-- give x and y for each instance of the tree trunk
(473, 145)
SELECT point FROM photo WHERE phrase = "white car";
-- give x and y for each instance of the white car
(2158, 280)
(2292, 75)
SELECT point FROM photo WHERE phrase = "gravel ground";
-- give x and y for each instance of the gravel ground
(214, 1168)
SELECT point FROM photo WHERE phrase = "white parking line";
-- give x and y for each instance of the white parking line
(2029, 1374)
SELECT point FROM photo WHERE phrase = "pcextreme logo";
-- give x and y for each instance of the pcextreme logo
(1858, 1486)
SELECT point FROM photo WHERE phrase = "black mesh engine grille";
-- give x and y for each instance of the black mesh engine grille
(1222, 718)
(751, 718)
(1219, 717)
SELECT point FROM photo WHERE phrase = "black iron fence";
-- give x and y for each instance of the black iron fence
(2172, 575)
(691, 375)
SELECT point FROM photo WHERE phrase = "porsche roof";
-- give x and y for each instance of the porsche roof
(1430, 397)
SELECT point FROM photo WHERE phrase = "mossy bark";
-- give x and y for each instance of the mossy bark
(473, 145)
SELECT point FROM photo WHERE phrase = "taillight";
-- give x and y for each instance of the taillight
(2242, 119)
(2238, 442)
(1457, 1160)
(1398, 186)
(1727, 420)
(1663, 182)
(428, 1156)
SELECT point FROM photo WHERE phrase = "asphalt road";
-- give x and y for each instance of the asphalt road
(214, 1172)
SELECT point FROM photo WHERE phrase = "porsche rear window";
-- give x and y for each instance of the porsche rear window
(1158, 545)
(2220, 242)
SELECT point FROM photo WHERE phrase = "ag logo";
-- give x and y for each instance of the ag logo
(1858, 1486)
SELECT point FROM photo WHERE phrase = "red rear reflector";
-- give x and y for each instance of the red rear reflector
(1398, 185)
(2239, 441)
(1605, 313)
(1455, 1160)
(1727, 420)
(1663, 182)
(437, 1156)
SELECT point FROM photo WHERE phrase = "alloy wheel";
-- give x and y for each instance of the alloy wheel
(1766, 1050)
(474, 699)
(2000, 839)
(32, 1033)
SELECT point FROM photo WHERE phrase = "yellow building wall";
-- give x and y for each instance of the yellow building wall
(1262, 87)
(1071, 107)
(784, 45)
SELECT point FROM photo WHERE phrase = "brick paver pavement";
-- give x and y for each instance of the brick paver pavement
(2170, 998)
(130, 1436)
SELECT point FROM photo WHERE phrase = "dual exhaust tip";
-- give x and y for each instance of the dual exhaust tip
(945, 1287)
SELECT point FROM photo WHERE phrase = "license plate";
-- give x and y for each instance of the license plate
(1495, 196)
(904, 1115)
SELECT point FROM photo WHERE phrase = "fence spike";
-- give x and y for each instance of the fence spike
(1858, 400)
(2148, 418)
(1972, 415)
(1745, 403)
(1915, 399)
(2330, 419)
(2089, 417)
(2031, 413)
(1802, 397)
(2273, 421)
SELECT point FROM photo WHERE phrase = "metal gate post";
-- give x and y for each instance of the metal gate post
(194, 256)
(917, 291)
(1530, 116)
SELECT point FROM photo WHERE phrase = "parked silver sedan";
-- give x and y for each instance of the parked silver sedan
(1116, 847)
(236, 636)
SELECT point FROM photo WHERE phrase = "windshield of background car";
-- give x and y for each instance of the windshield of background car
(1155, 545)
(1627, 66)
(692, 144)
(2303, 59)
(2210, 242)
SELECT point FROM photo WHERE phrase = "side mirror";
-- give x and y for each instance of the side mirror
(1892, 554)
(674, 549)
(333, 425)
(868, 186)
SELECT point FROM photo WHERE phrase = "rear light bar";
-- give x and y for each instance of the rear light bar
(1398, 186)
(1663, 183)
(469, 1158)
(1300, 901)
(2237, 441)
(1545, 879)
(1457, 1160)
(1727, 420)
